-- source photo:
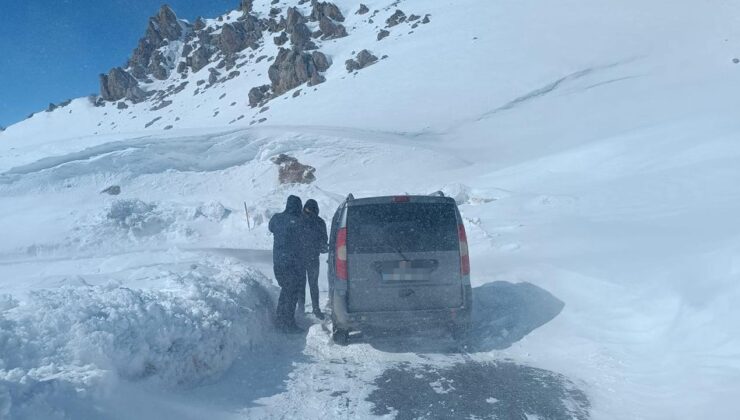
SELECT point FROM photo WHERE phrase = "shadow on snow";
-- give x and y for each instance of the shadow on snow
(503, 313)
(502, 390)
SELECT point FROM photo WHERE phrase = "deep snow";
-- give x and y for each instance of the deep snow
(592, 147)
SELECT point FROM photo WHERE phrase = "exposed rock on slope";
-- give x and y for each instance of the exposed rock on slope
(240, 35)
(292, 68)
(246, 6)
(258, 94)
(364, 59)
(295, 27)
(118, 84)
(326, 9)
(397, 17)
(331, 30)
(293, 172)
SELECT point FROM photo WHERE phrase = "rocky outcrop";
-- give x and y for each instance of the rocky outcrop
(295, 27)
(272, 25)
(258, 94)
(397, 17)
(118, 84)
(292, 18)
(213, 76)
(320, 60)
(364, 59)
(246, 6)
(162, 28)
(382, 34)
(327, 14)
(300, 37)
(291, 69)
(325, 9)
(331, 30)
(158, 66)
(281, 39)
(52, 106)
(112, 190)
(362, 10)
(237, 36)
(165, 25)
(199, 58)
(291, 171)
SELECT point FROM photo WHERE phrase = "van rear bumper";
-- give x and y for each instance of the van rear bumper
(401, 319)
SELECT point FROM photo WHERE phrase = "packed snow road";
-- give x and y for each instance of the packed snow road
(414, 374)
(203, 332)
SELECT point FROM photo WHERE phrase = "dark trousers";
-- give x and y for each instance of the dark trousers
(289, 278)
(310, 273)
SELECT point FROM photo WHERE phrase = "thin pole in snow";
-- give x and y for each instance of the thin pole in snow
(246, 212)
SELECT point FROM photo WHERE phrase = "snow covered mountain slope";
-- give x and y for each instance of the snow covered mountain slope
(592, 147)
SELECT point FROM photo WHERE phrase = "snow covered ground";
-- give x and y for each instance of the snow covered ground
(593, 148)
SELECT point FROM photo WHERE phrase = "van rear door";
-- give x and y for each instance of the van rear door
(403, 255)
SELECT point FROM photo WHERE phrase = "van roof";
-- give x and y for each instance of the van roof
(399, 199)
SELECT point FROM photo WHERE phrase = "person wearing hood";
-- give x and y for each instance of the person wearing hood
(315, 242)
(287, 261)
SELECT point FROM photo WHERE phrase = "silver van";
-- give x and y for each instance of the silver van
(398, 261)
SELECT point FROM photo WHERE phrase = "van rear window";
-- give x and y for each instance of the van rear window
(401, 227)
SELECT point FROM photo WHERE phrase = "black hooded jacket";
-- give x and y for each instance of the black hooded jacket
(314, 238)
(286, 231)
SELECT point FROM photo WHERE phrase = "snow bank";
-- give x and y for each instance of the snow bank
(127, 223)
(137, 219)
(73, 343)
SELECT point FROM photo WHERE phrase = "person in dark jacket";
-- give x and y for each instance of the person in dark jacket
(314, 240)
(287, 261)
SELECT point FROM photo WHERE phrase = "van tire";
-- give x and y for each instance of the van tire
(460, 332)
(340, 336)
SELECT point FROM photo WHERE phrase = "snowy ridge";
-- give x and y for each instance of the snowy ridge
(216, 95)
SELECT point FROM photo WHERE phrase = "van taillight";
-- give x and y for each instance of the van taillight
(464, 257)
(341, 254)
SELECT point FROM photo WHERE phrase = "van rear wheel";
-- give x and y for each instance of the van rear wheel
(339, 335)
(460, 332)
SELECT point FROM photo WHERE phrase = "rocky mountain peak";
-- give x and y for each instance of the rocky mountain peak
(246, 6)
(164, 25)
(171, 54)
(163, 28)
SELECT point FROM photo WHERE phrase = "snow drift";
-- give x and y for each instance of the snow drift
(75, 341)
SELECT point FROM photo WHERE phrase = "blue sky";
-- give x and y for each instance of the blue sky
(53, 50)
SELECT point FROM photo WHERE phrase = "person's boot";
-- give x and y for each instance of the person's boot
(300, 309)
(318, 314)
(293, 329)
